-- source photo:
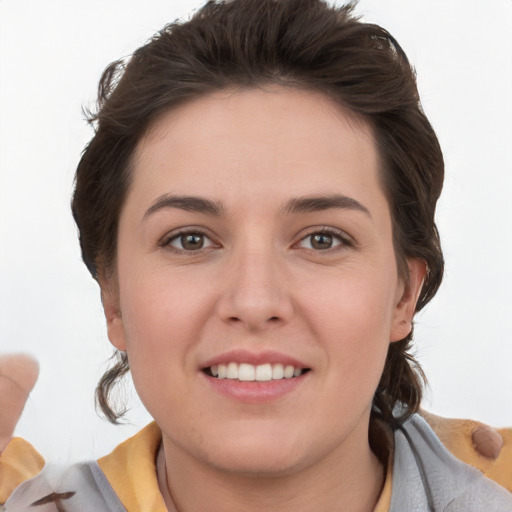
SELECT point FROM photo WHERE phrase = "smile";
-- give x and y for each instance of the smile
(249, 372)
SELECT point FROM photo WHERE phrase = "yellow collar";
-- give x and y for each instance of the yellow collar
(131, 471)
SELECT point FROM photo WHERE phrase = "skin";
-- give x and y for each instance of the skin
(259, 284)
(18, 375)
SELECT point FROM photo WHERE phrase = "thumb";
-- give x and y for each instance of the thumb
(18, 375)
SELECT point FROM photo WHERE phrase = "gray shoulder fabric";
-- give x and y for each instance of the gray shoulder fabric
(78, 488)
(428, 478)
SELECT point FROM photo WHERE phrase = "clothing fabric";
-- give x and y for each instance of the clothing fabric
(428, 478)
(18, 462)
(425, 478)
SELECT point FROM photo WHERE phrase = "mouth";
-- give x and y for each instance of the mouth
(246, 372)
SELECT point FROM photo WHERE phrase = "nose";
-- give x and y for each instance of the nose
(256, 293)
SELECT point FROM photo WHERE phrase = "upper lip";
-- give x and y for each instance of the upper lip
(255, 358)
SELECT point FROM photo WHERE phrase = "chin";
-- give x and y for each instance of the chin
(261, 464)
(258, 455)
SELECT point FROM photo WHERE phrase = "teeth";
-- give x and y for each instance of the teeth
(232, 371)
(264, 372)
(288, 372)
(277, 371)
(244, 371)
(249, 372)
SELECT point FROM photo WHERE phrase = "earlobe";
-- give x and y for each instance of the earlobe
(113, 316)
(406, 303)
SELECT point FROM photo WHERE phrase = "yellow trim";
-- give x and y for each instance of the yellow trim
(385, 496)
(131, 471)
(18, 462)
(501, 470)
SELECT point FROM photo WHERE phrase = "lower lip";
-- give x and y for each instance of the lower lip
(255, 392)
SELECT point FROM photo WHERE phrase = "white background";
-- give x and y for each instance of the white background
(51, 56)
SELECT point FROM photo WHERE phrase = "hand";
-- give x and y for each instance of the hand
(18, 375)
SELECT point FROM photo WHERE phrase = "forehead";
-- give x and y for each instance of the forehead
(277, 138)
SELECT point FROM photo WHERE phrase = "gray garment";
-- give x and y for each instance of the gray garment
(91, 491)
(426, 478)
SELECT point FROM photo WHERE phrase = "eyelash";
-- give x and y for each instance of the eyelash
(338, 235)
(342, 238)
(166, 241)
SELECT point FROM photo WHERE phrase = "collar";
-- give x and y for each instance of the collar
(131, 471)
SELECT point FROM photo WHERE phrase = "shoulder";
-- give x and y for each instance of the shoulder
(426, 476)
(124, 479)
(79, 487)
(481, 446)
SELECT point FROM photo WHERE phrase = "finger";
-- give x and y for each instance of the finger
(18, 375)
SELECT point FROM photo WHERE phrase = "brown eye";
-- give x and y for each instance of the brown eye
(190, 242)
(322, 240)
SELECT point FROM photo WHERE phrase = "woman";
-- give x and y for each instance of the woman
(257, 205)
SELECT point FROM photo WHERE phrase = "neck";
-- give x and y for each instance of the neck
(341, 481)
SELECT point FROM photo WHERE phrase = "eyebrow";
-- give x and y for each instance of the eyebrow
(324, 202)
(296, 205)
(187, 203)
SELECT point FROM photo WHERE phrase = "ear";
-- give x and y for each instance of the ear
(407, 297)
(112, 310)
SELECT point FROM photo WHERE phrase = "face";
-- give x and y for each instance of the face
(257, 289)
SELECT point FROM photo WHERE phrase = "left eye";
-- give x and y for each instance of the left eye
(190, 242)
(321, 241)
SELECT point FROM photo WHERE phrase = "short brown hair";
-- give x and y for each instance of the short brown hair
(304, 44)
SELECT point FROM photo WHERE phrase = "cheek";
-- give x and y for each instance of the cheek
(159, 331)
(352, 317)
(164, 314)
(155, 312)
(356, 305)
